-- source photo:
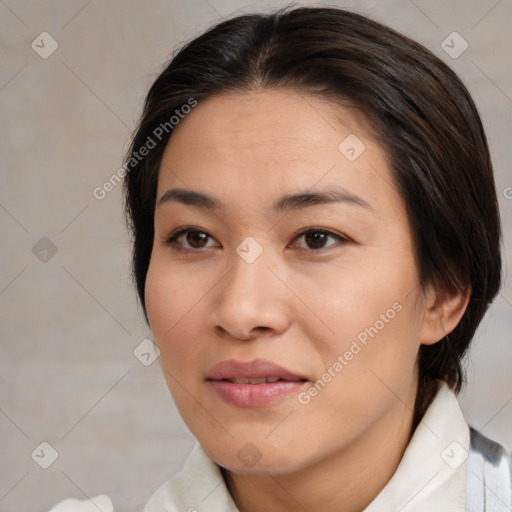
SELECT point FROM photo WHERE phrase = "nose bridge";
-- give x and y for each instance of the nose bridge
(250, 296)
(249, 276)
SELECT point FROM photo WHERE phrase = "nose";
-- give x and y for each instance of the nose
(250, 301)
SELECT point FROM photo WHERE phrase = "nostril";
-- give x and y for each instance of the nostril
(261, 329)
(242, 336)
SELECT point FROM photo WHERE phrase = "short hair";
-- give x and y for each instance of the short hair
(423, 115)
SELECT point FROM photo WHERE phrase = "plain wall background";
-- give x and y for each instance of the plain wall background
(70, 324)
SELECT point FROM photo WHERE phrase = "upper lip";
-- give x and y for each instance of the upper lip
(232, 369)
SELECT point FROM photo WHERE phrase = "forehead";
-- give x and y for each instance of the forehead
(268, 118)
(270, 142)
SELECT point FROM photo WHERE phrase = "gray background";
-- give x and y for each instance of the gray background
(70, 324)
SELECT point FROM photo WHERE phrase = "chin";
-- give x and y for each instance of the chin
(260, 457)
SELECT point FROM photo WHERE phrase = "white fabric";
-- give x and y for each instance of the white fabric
(431, 475)
(489, 477)
(100, 503)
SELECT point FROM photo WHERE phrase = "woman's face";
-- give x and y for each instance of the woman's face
(298, 269)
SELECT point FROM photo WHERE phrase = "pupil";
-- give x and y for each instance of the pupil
(194, 238)
(315, 239)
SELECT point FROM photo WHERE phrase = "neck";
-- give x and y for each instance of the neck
(347, 480)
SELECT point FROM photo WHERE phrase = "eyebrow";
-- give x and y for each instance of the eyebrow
(284, 204)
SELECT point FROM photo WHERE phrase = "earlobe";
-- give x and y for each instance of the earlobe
(443, 311)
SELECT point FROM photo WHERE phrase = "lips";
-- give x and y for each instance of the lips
(254, 380)
(253, 384)
(257, 369)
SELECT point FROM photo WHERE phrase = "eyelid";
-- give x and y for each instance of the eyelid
(322, 229)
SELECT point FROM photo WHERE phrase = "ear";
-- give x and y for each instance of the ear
(443, 310)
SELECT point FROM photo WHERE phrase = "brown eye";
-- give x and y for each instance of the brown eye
(317, 239)
(196, 239)
(188, 238)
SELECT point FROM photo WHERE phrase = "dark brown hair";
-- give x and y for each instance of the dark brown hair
(420, 110)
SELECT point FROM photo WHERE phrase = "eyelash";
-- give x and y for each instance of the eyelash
(170, 241)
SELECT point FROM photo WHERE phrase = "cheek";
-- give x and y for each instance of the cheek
(173, 304)
(174, 311)
(369, 364)
(350, 299)
(371, 320)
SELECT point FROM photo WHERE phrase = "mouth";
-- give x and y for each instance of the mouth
(258, 380)
(253, 384)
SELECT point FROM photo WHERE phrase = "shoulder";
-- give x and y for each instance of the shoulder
(489, 477)
(100, 503)
(490, 450)
(198, 485)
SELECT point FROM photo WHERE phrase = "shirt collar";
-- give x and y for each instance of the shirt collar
(433, 469)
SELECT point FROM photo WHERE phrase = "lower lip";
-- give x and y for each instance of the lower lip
(254, 395)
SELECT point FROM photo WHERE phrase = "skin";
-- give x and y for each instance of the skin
(294, 305)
